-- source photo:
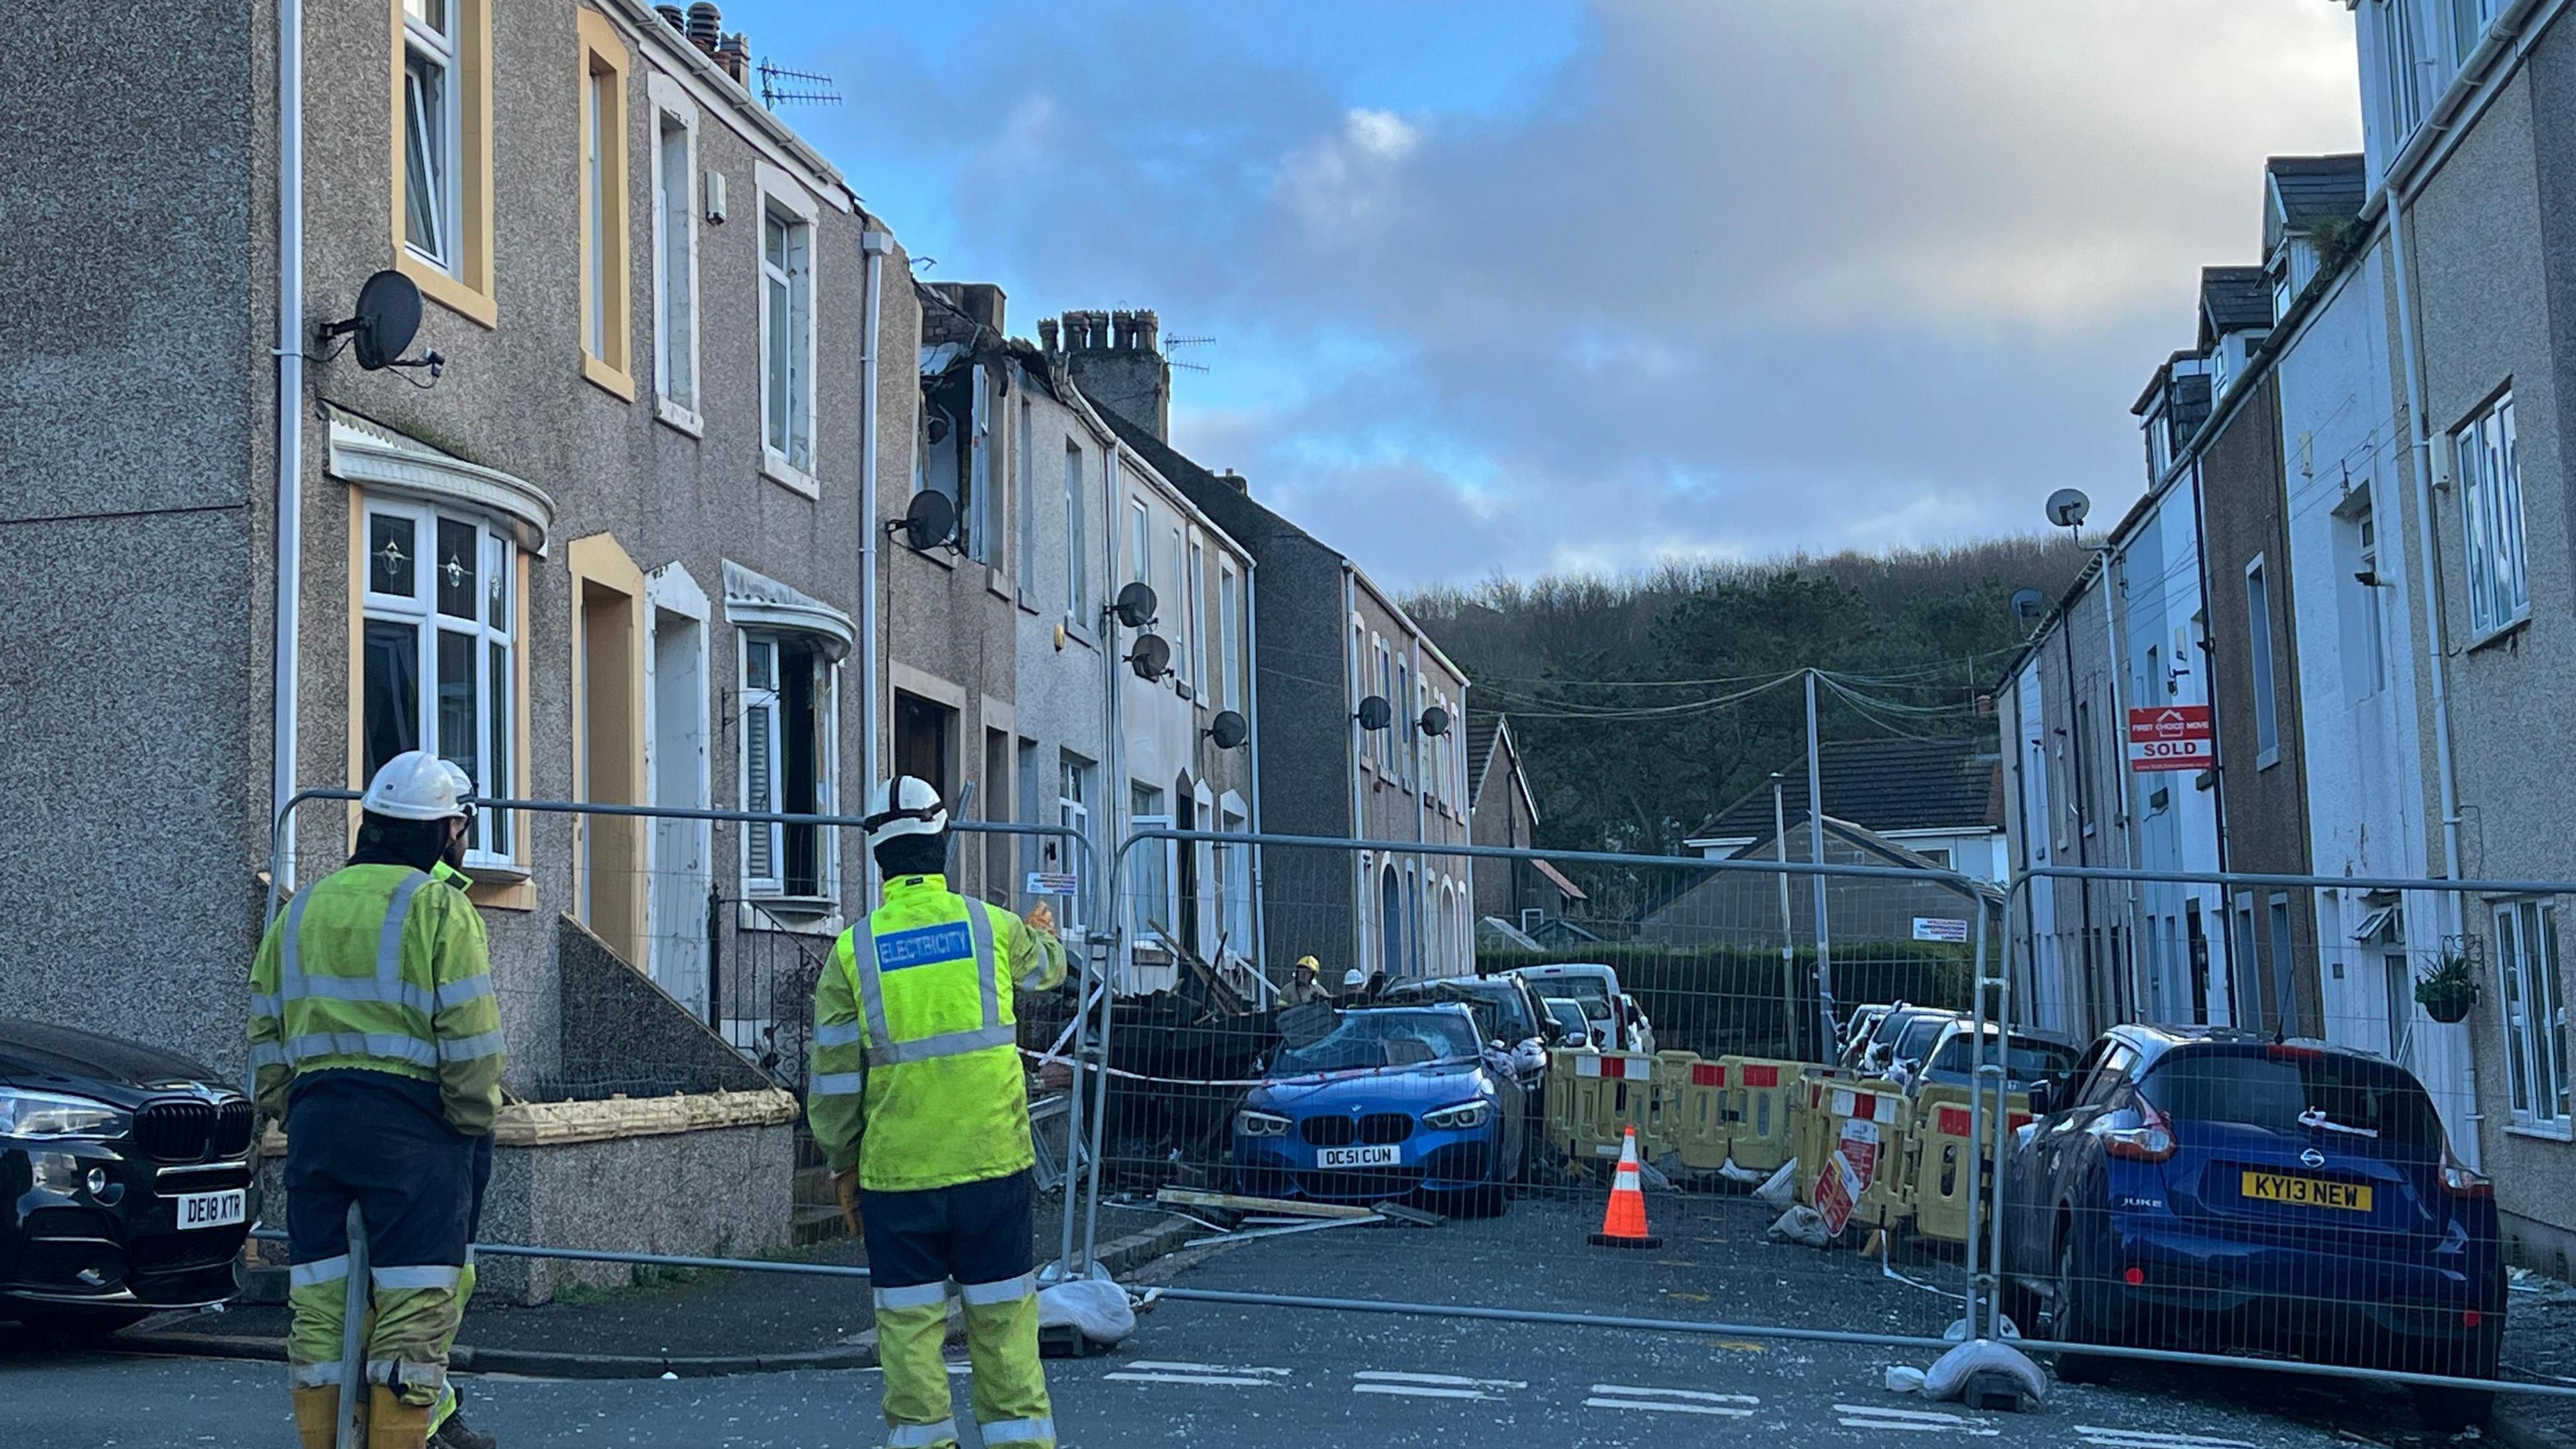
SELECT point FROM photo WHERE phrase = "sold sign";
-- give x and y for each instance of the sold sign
(2172, 737)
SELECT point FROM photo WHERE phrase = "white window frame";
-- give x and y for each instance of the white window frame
(2260, 663)
(1077, 563)
(440, 48)
(2527, 975)
(496, 723)
(1229, 607)
(1185, 672)
(827, 763)
(2489, 463)
(1195, 586)
(784, 201)
(1140, 929)
(674, 111)
(1025, 509)
(1140, 540)
(1234, 817)
(1073, 777)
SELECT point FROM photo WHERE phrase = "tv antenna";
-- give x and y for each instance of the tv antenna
(780, 86)
(1174, 344)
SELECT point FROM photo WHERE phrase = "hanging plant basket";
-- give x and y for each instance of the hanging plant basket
(2449, 991)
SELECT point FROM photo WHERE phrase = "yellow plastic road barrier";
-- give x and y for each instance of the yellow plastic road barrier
(1611, 1092)
(1943, 1159)
(1687, 1125)
(1756, 1093)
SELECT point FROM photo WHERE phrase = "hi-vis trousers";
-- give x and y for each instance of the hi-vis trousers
(380, 1141)
(980, 1237)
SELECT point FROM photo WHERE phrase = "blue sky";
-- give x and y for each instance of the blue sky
(1506, 287)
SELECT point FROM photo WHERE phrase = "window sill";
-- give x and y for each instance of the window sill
(792, 915)
(787, 475)
(1080, 635)
(2542, 1134)
(679, 418)
(2500, 634)
(938, 554)
(998, 584)
(613, 380)
(438, 286)
(2267, 759)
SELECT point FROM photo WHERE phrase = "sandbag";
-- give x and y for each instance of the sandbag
(1096, 1307)
(1781, 1188)
(1802, 1224)
(1743, 1175)
(1951, 1373)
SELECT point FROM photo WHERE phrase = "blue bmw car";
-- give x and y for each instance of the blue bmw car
(1391, 1102)
(2220, 1190)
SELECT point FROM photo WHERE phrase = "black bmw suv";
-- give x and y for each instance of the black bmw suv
(125, 1180)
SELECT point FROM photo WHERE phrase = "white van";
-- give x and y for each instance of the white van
(1596, 988)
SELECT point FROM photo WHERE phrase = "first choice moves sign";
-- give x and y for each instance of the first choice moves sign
(2172, 737)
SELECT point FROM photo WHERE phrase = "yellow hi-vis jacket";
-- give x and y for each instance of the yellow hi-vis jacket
(917, 1079)
(370, 968)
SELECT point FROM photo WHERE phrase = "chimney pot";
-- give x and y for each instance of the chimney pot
(706, 25)
(673, 16)
(1047, 339)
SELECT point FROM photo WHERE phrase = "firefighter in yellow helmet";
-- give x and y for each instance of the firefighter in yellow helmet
(1306, 987)
(375, 1035)
(920, 1103)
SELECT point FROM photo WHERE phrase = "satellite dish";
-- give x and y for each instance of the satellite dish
(387, 318)
(1136, 605)
(1229, 729)
(1151, 658)
(930, 521)
(1376, 713)
(2028, 603)
(2067, 507)
(1435, 721)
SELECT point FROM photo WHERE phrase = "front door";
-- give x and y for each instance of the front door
(677, 949)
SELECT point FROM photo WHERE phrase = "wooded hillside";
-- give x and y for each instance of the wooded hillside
(1643, 705)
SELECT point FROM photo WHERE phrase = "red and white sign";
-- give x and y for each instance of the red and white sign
(1847, 1173)
(2172, 737)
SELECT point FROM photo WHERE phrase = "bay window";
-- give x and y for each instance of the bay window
(438, 664)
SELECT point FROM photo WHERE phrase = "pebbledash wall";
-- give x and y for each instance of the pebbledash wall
(647, 539)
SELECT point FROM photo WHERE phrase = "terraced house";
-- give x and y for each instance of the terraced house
(606, 550)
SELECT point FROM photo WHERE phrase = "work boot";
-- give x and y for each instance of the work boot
(455, 1435)
(317, 1416)
(394, 1424)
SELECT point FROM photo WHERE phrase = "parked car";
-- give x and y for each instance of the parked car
(1571, 1019)
(1856, 1030)
(1876, 1051)
(2027, 1060)
(1393, 1101)
(125, 1180)
(1902, 1055)
(2216, 1188)
(1597, 987)
(1506, 1011)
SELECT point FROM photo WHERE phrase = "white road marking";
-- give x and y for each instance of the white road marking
(1221, 1381)
(1651, 1406)
(1180, 1366)
(1450, 1380)
(1422, 1391)
(1911, 1421)
(1697, 1396)
(2111, 1438)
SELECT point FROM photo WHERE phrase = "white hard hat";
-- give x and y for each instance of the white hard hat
(417, 785)
(1354, 977)
(917, 810)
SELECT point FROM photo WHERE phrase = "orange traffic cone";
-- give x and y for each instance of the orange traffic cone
(1624, 1225)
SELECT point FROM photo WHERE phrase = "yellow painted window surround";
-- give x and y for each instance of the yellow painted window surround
(606, 329)
(441, 151)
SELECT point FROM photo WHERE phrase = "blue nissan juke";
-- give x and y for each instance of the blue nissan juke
(1391, 1102)
(2220, 1190)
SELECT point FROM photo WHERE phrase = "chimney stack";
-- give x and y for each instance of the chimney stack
(1047, 339)
(735, 56)
(706, 26)
(1116, 359)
